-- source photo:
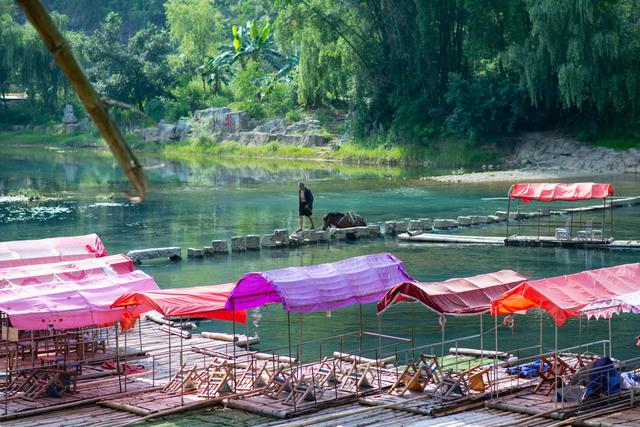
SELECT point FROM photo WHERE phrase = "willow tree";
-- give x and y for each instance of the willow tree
(39, 74)
(195, 25)
(10, 42)
(575, 57)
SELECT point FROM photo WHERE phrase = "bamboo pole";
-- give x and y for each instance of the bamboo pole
(61, 51)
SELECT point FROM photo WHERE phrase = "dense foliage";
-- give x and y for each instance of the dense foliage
(405, 72)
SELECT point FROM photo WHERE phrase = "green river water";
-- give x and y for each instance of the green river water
(193, 201)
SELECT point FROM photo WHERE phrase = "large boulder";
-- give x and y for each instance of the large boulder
(271, 126)
(289, 139)
(182, 129)
(314, 140)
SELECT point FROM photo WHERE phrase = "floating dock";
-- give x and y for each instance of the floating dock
(540, 241)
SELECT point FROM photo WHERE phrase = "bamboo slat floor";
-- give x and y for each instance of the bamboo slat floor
(98, 384)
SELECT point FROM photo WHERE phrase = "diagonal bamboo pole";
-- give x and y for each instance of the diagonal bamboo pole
(61, 51)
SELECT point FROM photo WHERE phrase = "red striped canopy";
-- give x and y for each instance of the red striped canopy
(205, 302)
(548, 192)
(564, 296)
(469, 295)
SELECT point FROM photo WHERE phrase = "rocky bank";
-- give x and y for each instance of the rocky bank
(225, 124)
(551, 155)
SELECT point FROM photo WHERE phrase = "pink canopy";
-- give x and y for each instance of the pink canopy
(470, 295)
(357, 280)
(71, 304)
(65, 270)
(202, 302)
(547, 192)
(29, 252)
(564, 296)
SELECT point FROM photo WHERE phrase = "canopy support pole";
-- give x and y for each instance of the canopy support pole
(518, 215)
(495, 356)
(182, 382)
(442, 325)
(6, 343)
(610, 342)
(233, 343)
(300, 340)
(169, 335)
(290, 359)
(140, 333)
(508, 212)
(413, 331)
(481, 338)
(118, 357)
(579, 334)
(361, 330)
(380, 343)
(125, 360)
(555, 325)
(541, 348)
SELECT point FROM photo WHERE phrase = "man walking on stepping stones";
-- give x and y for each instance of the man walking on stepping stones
(305, 206)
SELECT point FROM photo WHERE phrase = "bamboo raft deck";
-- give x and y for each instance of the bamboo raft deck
(544, 241)
(97, 388)
(104, 401)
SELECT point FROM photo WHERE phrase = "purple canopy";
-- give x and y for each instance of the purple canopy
(357, 280)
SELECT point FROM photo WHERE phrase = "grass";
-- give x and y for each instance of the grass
(617, 143)
(447, 151)
(36, 138)
(236, 149)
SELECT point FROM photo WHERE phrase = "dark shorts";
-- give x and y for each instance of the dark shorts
(304, 211)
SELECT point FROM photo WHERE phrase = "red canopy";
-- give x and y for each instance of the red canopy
(563, 297)
(546, 192)
(201, 302)
(470, 295)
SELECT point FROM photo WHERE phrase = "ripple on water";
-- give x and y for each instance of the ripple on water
(107, 205)
(34, 213)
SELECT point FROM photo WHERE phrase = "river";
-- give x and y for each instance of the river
(195, 200)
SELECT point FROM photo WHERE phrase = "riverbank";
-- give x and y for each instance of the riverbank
(531, 156)
(450, 152)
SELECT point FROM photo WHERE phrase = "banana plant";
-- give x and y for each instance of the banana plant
(253, 42)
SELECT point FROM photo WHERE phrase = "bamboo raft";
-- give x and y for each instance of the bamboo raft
(544, 241)
(102, 399)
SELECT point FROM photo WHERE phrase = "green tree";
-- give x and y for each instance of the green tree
(196, 25)
(10, 45)
(134, 72)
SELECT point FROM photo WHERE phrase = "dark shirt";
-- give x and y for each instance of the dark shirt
(308, 197)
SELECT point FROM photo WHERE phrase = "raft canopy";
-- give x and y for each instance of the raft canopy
(565, 296)
(207, 302)
(607, 307)
(43, 273)
(549, 192)
(459, 296)
(29, 252)
(357, 280)
(65, 302)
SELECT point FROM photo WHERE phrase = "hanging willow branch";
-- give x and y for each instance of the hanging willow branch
(61, 51)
